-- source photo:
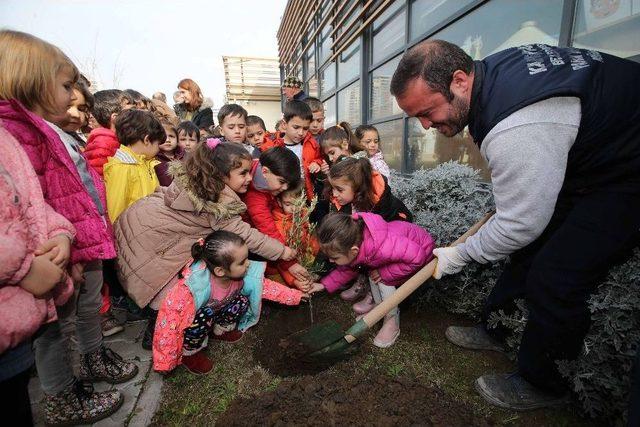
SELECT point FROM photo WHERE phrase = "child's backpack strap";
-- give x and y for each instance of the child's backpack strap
(252, 288)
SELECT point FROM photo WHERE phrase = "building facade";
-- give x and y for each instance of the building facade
(254, 83)
(347, 50)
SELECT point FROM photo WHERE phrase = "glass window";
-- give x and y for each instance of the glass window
(521, 22)
(382, 102)
(311, 61)
(330, 112)
(312, 87)
(349, 63)
(325, 43)
(609, 26)
(328, 78)
(347, 22)
(427, 14)
(391, 142)
(388, 31)
(429, 148)
(349, 106)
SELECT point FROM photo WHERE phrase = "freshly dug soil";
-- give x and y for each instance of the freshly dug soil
(279, 349)
(330, 400)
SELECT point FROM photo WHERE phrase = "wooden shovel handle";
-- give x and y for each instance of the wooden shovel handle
(413, 282)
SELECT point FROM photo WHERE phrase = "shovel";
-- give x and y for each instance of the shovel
(327, 341)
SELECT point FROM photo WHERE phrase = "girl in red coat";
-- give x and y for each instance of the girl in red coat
(391, 251)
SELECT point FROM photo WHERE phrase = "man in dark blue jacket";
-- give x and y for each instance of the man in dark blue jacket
(560, 130)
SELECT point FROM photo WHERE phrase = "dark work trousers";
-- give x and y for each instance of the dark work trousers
(558, 272)
(634, 396)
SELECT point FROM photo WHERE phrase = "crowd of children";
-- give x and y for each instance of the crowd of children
(151, 212)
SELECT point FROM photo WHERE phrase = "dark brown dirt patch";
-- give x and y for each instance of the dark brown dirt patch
(327, 400)
(280, 349)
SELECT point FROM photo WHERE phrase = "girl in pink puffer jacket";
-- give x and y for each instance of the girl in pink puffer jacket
(31, 284)
(390, 251)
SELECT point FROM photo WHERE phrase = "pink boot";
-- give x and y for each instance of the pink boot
(390, 330)
(355, 291)
(365, 305)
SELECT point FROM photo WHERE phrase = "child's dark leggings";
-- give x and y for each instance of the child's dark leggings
(195, 335)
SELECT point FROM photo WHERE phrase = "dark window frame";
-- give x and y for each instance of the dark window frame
(367, 66)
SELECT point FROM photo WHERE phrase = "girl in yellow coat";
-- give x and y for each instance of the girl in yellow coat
(129, 175)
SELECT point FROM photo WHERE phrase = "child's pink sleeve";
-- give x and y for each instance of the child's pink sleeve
(338, 277)
(57, 224)
(274, 291)
(15, 256)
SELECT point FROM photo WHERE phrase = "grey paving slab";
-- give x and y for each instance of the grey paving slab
(148, 401)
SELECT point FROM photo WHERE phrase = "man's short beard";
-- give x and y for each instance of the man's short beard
(459, 115)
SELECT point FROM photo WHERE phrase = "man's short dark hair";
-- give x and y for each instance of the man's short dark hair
(282, 162)
(133, 125)
(314, 103)
(297, 109)
(255, 120)
(434, 61)
(231, 110)
(106, 103)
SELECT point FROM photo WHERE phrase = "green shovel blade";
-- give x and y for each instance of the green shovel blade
(321, 335)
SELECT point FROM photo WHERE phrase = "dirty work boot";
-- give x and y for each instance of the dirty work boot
(356, 290)
(365, 305)
(511, 391)
(79, 404)
(390, 330)
(197, 363)
(472, 337)
(105, 365)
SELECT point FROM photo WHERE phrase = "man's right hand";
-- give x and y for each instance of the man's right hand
(288, 254)
(449, 262)
(43, 274)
